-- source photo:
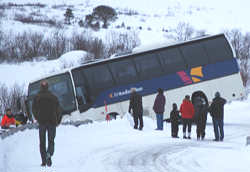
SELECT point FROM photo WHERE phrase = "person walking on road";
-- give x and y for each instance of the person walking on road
(187, 114)
(47, 112)
(216, 110)
(135, 104)
(159, 108)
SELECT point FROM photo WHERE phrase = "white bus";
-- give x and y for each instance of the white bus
(92, 90)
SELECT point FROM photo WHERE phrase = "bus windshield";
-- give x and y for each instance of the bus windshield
(61, 87)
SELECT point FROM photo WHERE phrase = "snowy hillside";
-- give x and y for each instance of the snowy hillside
(28, 71)
(212, 15)
(154, 22)
(115, 146)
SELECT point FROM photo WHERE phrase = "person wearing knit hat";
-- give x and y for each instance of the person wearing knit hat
(217, 94)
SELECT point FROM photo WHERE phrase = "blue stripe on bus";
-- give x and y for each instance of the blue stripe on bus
(171, 81)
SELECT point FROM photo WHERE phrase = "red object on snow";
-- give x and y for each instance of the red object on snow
(106, 107)
(106, 110)
(6, 121)
(107, 117)
(187, 109)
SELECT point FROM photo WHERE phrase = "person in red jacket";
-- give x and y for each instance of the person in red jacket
(187, 114)
(8, 119)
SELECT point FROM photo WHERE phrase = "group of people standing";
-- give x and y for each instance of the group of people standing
(190, 112)
(47, 112)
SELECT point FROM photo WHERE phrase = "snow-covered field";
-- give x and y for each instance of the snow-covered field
(116, 147)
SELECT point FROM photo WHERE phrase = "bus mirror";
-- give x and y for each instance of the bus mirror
(79, 100)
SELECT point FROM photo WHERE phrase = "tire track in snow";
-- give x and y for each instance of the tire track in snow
(131, 158)
(153, 157)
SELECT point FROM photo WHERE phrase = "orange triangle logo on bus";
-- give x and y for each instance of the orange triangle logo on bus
(196, 74)
(111, 95)
(195, 79)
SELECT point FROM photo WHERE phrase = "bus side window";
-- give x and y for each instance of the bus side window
(194, 54)
(172, 60)
(148, 66)
(124, 71)
(218, 49)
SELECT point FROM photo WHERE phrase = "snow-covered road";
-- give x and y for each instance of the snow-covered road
(116, 147)
(171, 154)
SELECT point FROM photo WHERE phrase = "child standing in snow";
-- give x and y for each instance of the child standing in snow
(174, 118)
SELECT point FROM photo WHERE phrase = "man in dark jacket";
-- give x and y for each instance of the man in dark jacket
(159, 108)
(135, 105)
(217, 112)
(46, 110)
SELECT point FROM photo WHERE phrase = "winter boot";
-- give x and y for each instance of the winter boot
(189, 135)
(48, 160)
(43, 164)
(184, 135)
(203, 135)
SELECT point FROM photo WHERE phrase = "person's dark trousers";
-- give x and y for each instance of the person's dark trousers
(174, 129)
(159, 119)
(218, 125)
(187, 123)
(203, 126)
(199, 128)
(51, 132)
(136, 118)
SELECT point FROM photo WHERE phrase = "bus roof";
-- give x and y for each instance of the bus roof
(138, 51)
(49, 75)
(152, 48)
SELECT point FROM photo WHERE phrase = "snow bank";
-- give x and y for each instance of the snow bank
(73, 57)
(28, 71)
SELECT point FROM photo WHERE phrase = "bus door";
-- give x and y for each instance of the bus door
(83, 93)
(83, 100)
